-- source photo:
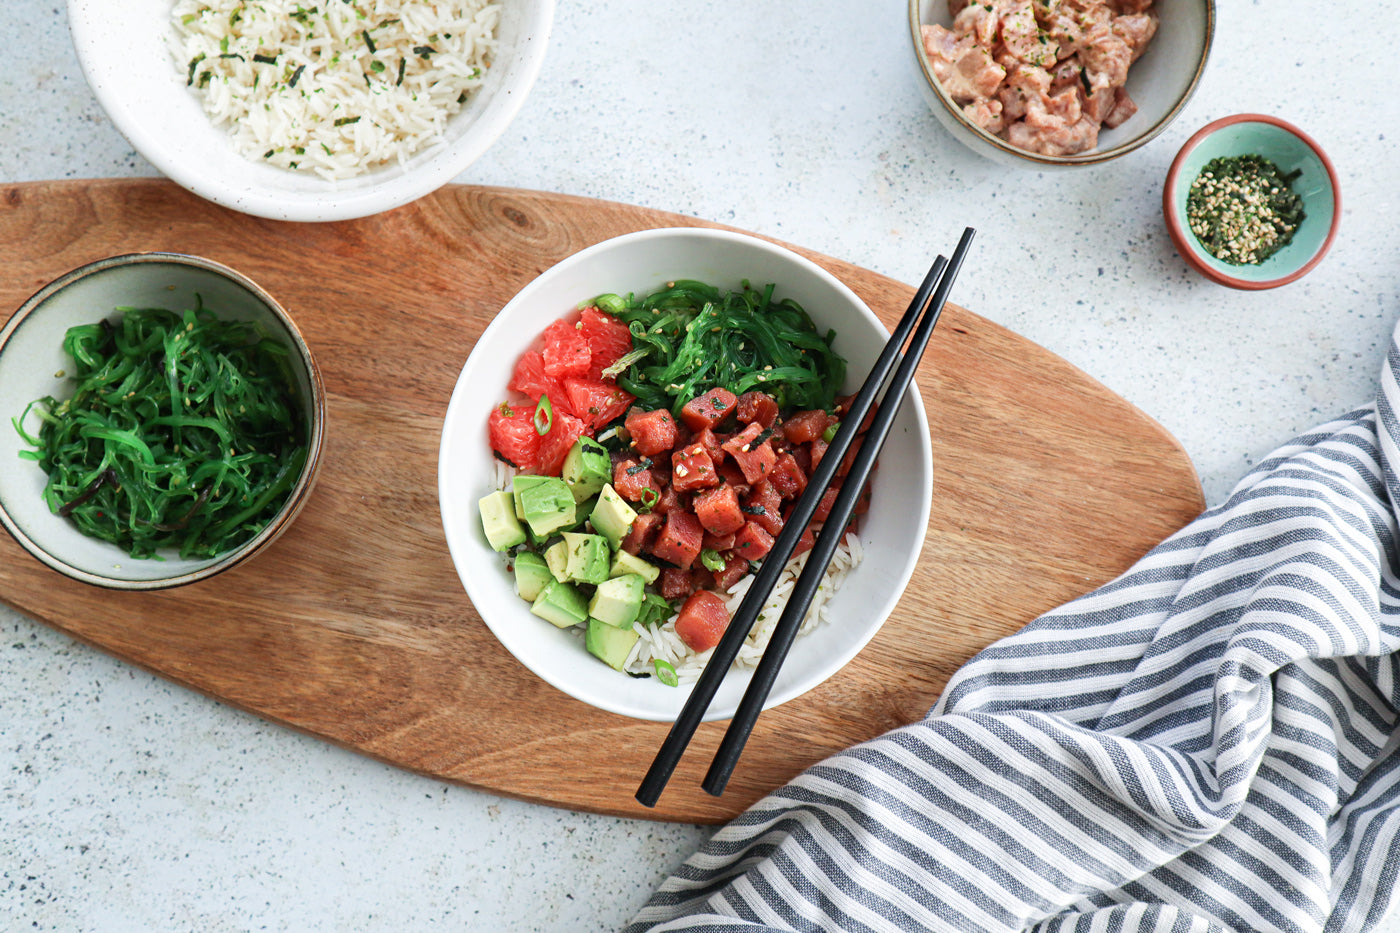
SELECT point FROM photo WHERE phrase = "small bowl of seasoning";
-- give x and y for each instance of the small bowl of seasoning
(1252, 202)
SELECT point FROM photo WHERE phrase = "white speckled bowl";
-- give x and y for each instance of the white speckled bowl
(1160, 82)
(32, 364)
(123, 50)
(892, 533)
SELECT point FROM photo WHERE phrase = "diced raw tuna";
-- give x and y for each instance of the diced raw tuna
(702, 620)
(806, 426)
(718, 510)
(787, 477)
(752, 543)
(653, 432)
(754, 456)
(680, 539)
(711, 442)
(757, 408)
(716, 542)
(643, 532)
(735, 567)
(676, 584)
(632, 479)
(763, 506)
(692, 468)
(709, 409)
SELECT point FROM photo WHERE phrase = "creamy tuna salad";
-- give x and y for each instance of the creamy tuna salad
(1044, 75)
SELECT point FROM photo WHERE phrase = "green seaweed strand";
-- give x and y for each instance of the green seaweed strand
(182, 432)
(690, 337)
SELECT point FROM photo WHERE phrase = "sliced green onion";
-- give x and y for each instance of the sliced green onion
(830, 433)
(649, 498)
(711, 559)
(544, 416)
(666, 672)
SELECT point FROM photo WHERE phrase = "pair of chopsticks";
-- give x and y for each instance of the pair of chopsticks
(938, 282)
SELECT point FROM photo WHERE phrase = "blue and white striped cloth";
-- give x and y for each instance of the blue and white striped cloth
(1207, 743)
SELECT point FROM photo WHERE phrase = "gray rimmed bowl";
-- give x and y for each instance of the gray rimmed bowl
(1160, 82)
(33, 364)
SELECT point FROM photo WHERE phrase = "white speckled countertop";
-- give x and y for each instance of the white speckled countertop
(127, 803)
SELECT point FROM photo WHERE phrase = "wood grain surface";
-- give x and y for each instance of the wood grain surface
(354, 627)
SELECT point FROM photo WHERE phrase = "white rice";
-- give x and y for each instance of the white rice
(660, 641)
(333, 102)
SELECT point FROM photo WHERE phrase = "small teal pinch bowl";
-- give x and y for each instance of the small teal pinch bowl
(1287, 147)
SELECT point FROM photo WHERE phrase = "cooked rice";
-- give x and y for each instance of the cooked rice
(353, 86)
(660, 642)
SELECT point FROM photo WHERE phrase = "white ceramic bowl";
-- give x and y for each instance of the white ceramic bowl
(32, 365)
(892, 533)
(123, 50)
(1160, 83)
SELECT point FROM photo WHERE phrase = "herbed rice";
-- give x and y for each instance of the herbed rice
(336, 87)
(660, 642)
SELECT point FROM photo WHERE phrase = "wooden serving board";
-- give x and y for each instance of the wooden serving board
(355, 628)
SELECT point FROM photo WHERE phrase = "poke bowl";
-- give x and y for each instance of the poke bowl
(873, 569)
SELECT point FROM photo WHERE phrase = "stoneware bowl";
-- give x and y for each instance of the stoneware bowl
(892, 533)
(32, 364)
(1291, 150)
(124, 53)
(1160, 83)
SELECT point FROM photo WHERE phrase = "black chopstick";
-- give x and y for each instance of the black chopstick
(833, 531)
(693, 712)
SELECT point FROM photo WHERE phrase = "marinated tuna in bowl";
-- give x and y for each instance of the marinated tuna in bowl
(1045, 75)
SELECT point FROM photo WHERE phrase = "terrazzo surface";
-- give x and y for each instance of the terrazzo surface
(127, 803)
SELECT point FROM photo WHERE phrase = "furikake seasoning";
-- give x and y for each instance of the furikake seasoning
(1243, 208)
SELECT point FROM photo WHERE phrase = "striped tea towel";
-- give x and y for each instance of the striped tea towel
(1207, 743)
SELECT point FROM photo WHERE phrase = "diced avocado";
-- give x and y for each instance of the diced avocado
(561, 604)
(531, 574)
(503, 530)
(617, 601)
(612, 516)
(521, 483)
(608, 643)
(556, 558)
(583, 512)
(547, 503)
(586, 468)
(630, 563)
(588, 557)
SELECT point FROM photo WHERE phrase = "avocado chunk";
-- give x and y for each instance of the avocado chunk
(587, 467)
(518, 485)
(531, 575)
(624, 563)
(546, 503)
(618, 600)
(583, 512)
(588, 557)
(561, 604)
(612, 516)
(556, 558)
(503, 530)
(608, 643)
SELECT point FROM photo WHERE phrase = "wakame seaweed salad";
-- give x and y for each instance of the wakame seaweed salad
(182, 432)
(689, 337)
